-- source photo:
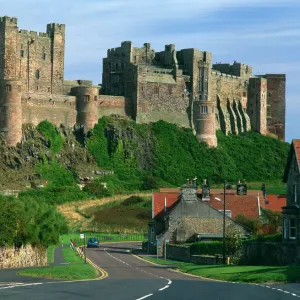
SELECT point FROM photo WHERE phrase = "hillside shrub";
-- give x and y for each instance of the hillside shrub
(50, 132)
(96, 189)
(132, 201)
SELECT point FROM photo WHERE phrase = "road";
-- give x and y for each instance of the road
(130, 278)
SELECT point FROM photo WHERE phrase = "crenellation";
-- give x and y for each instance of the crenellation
(178, 86)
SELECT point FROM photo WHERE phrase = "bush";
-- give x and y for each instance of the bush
(207, 248)
(55, 138)
(250, 223)
(132, 201)
(274, 238)
(96, 189)
(31, 221)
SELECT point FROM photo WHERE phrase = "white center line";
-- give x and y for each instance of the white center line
(145, 297)
(165, 287)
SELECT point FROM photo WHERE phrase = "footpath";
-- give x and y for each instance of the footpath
(10, 276)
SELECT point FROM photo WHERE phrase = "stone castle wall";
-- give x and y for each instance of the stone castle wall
(57, 109)
(27, 256)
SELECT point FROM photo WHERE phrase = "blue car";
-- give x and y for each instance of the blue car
(92, 243)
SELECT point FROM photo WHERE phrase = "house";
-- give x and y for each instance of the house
(291, 212)
(182, 217)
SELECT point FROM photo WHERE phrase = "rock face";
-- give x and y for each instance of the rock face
(18, 164)
(27, 256)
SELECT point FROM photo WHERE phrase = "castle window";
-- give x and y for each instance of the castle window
(22, 53)
(269, 95)
(19, 88)
(86, 98)
(48, 90)
(8, 88)
(204, 109)
(292, 229)
(43, 54)
(95, 98)
(156, 90)
(37, 74)
(37, 88)
(244, 94)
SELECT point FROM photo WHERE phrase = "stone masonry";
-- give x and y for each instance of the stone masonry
(182, 87)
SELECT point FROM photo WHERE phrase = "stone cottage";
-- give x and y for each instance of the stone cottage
(184, 217)
(291, 212)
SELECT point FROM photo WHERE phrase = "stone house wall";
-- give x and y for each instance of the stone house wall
(27, 256)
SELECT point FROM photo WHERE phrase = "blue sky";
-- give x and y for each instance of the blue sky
(264, 34)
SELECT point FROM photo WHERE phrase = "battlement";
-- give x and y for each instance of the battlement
(9, 20)
(237, 69)
(56, 28)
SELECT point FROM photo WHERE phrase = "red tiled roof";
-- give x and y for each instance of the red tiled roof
(159, 202)
(274, 202)
(239, 205)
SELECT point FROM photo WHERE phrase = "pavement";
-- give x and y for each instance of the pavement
(129, 277)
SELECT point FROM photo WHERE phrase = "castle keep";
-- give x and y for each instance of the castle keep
(181, 87)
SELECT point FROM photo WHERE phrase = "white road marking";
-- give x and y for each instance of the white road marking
(19, 285)
(165, 287)
(145, 297)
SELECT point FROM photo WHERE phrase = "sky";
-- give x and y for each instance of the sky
(263, 34)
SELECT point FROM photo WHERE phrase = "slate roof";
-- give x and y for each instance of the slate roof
(295, 148)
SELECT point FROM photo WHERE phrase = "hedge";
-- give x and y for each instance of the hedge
(207, 248)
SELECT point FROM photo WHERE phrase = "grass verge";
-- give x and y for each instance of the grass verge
(75, 270)
(50, 254)
(256, 274)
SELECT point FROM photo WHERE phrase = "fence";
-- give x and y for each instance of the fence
(102, 238)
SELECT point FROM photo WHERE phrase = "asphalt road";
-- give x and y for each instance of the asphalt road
(132, 278)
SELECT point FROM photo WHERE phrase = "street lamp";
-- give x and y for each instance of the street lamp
(224, 210)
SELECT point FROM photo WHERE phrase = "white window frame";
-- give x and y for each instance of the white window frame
(294, 227)
(227, 212)
(204, 109)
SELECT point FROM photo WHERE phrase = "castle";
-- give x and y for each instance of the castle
(181, 87)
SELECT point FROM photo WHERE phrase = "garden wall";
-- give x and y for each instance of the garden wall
(28, 256)
(268, 253)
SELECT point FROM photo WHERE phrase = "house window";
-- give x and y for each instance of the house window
(86, 98)
(37, 74)
(292, 228)
(156, 90)
(227, 212)
(285, 228)
(8, 88)
(22, 53)
(204, 109)
(295, 193)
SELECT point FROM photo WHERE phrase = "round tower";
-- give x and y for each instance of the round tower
(205, 120)
(86, 100)
(11, 111)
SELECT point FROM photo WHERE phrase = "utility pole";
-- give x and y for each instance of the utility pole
(84, 248)
(224, 227)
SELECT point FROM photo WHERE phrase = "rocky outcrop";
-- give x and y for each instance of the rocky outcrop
(26, 256)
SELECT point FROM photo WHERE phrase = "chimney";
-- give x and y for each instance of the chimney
(189, 190)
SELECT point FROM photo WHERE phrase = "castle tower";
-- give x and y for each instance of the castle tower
(56, 33)
(203, 106)
(257, 104)
(8, 46)
(10, 111)
(86, 100)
